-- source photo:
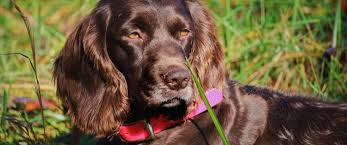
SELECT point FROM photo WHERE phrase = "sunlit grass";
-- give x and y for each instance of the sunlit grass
(269, 42)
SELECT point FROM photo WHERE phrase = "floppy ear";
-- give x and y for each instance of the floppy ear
(206, 54)
(92, 89)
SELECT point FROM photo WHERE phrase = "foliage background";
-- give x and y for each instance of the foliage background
(280, 44)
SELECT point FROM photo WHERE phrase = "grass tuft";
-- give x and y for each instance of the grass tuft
(4, 111)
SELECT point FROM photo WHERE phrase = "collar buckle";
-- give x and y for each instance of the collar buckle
(149, 129)
(146, 124)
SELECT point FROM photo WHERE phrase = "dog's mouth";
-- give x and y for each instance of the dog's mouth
(172, 103)
(174, 109)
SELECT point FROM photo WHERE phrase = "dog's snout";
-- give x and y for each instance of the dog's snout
(177, 78)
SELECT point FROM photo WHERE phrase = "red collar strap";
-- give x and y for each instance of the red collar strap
(147, 129)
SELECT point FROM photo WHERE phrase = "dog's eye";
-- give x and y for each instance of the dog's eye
(134, 35)
(184, 32)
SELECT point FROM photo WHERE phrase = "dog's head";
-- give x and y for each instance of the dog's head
(133, 52)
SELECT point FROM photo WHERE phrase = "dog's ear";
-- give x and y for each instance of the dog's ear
(92, 89)
(206, 54)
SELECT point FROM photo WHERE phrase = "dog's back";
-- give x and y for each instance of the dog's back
(301, 120)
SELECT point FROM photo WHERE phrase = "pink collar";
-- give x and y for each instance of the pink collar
(146, 130)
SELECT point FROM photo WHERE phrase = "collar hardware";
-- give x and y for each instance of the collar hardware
(149, 129)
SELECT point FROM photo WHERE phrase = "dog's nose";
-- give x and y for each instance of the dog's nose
(177, 79)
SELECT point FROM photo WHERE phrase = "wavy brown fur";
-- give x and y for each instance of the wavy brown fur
(91, 87)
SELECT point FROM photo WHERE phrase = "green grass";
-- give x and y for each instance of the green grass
(207, 104)
(272, 43)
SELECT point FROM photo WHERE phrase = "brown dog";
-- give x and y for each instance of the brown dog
(125, 62)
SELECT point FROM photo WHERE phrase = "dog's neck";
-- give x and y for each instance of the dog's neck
(247, 108)
(146, 129)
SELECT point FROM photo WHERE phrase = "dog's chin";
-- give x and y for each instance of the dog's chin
(174, 109)
(172, 103)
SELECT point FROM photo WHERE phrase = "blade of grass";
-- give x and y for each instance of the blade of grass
(228, 8)
(227, 15)
(263, 13)
(37, 29)
(29, 127)
(337, 26)
(33, 64)
(295, 14)
(4, 110)
(208, 106)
